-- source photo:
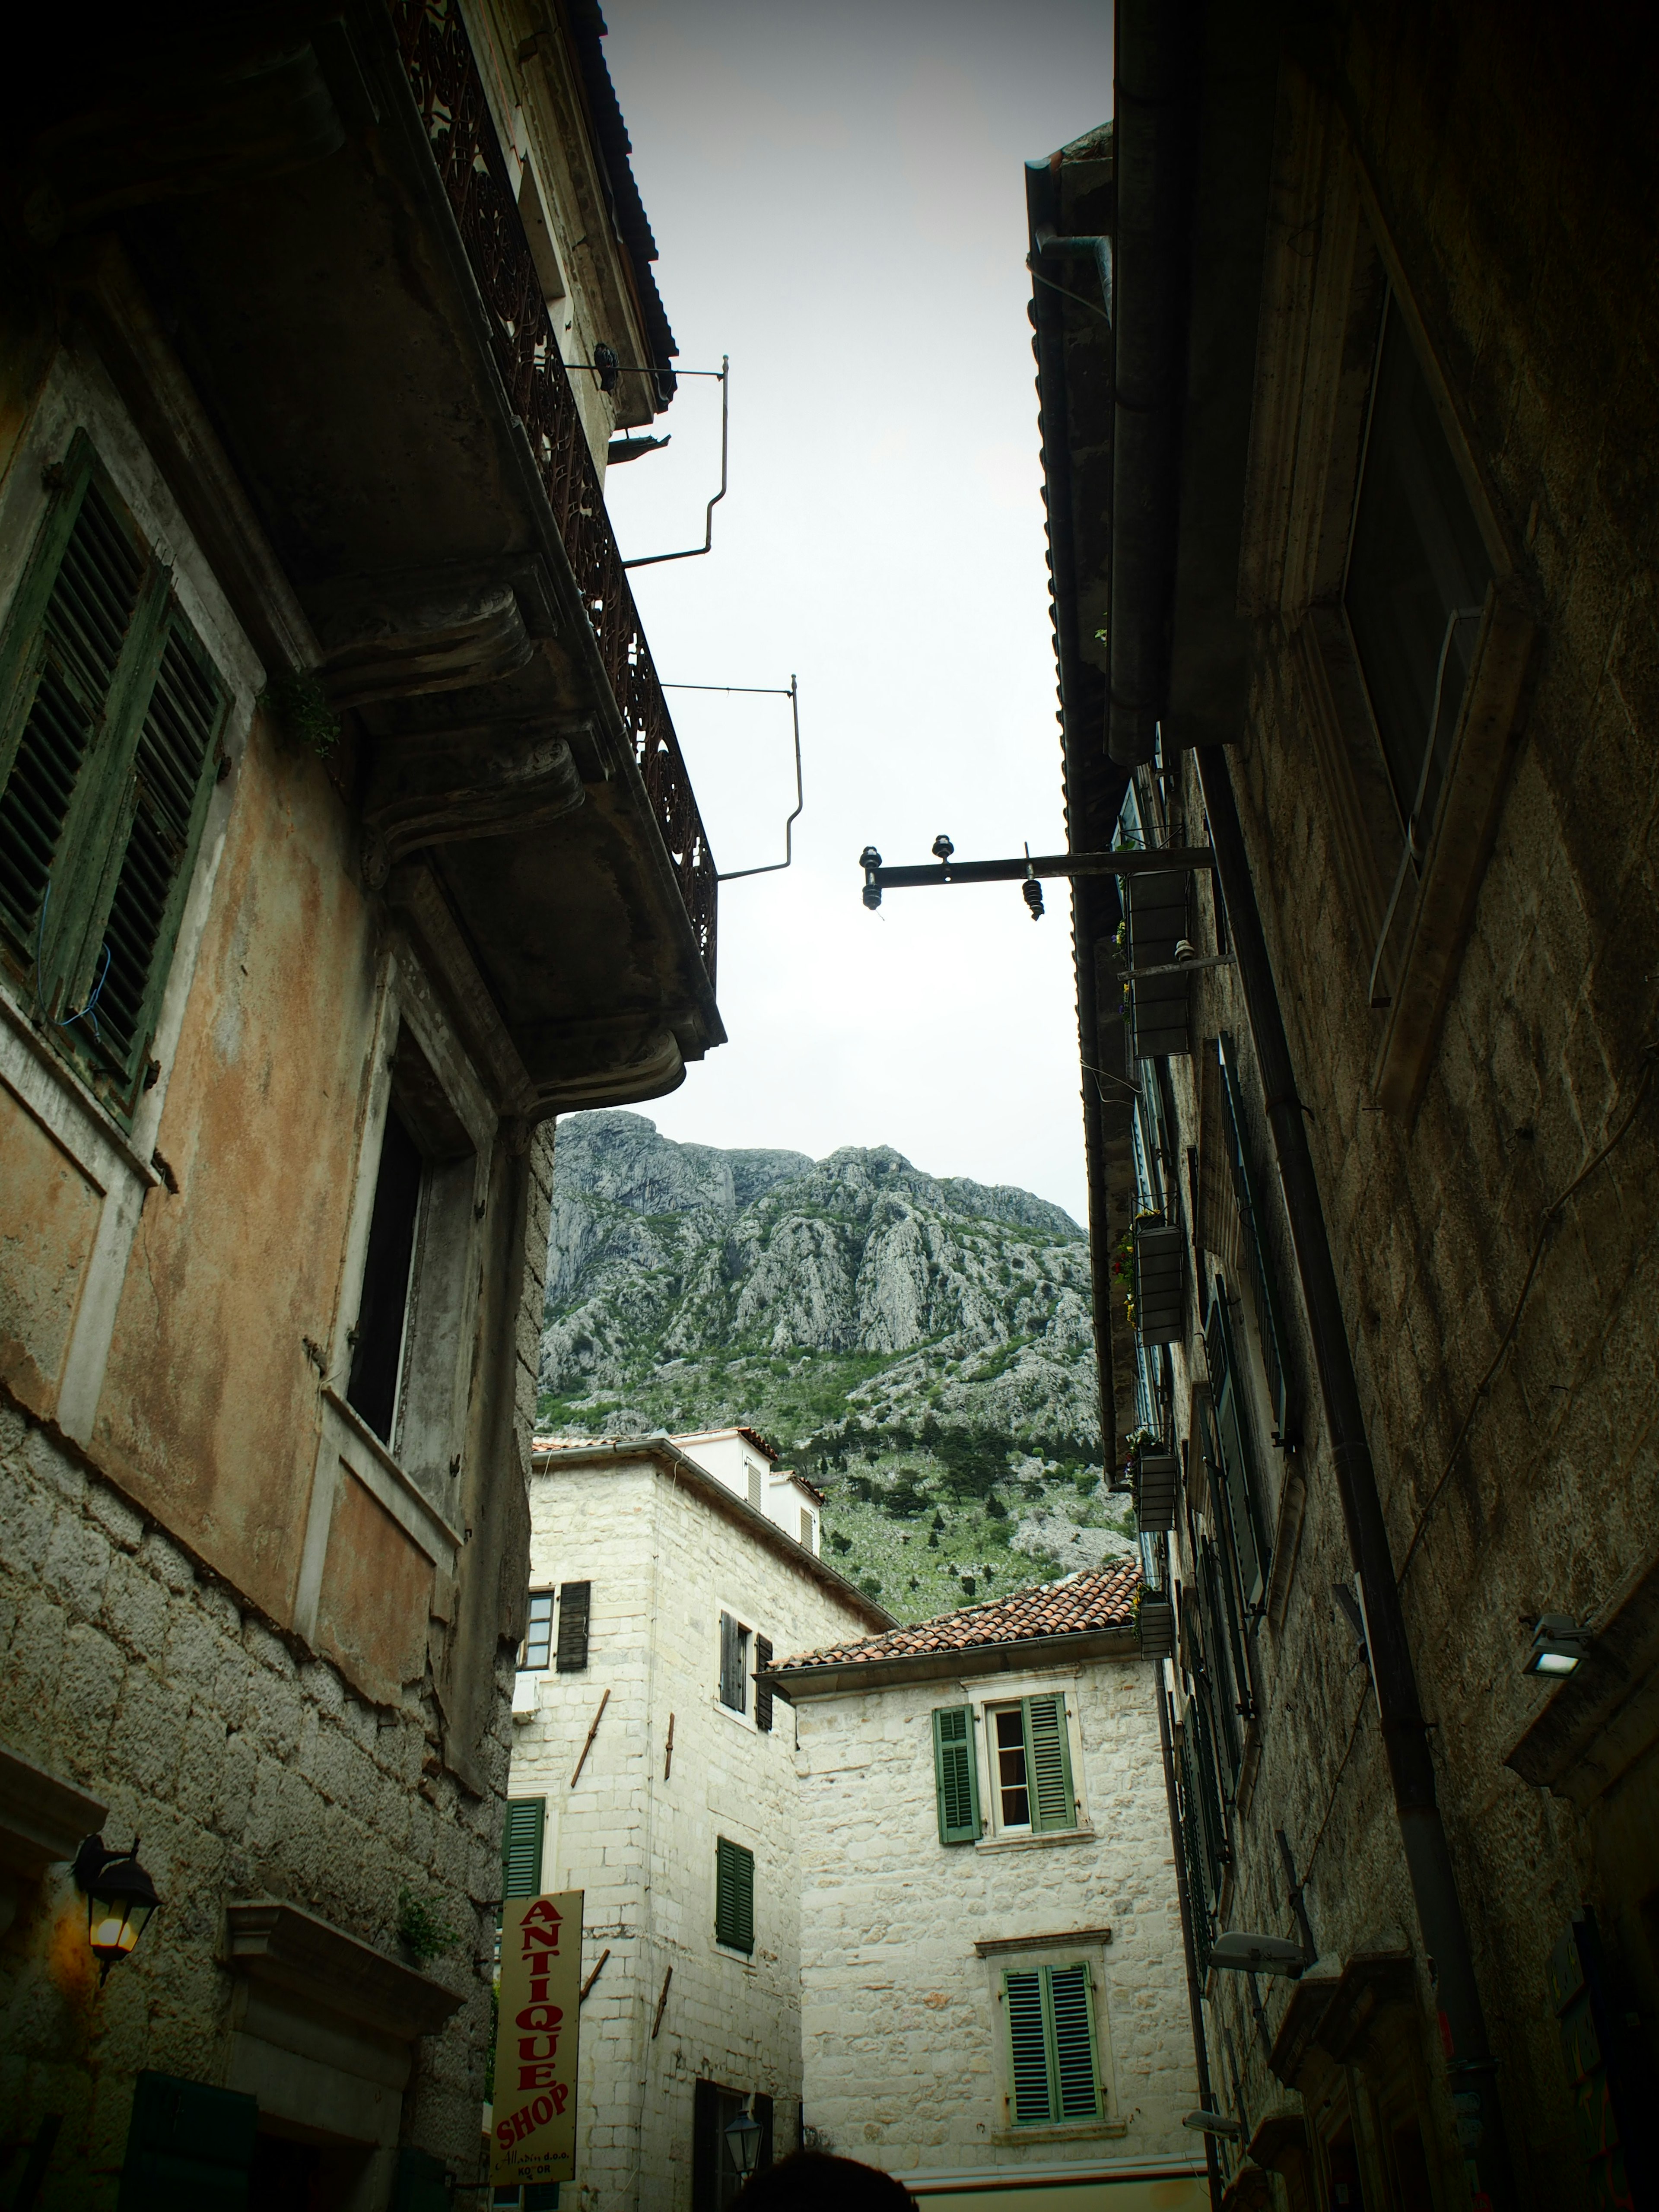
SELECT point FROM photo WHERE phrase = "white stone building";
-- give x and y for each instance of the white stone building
(651, 1770)
(993, 1993)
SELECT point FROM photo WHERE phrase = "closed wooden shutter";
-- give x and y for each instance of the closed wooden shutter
(1028, 2049)
(734, 1895)
(574, 1603)
(762, 1690)
(1243, 1518)
(732, 1690)
(521, 1846)
(188, 2144)
(1071, 2007)
(169, 796)
(956, 1777)
(1050, 1758)
(70, 670)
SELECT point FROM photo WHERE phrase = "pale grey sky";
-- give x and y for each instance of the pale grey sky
(838, 200)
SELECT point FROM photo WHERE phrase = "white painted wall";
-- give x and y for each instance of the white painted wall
(664, 1562)
(904, 2061)
(750, 1473)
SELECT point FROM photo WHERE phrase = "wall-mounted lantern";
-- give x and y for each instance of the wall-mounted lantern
(120, 1897)
(743, 2141)
(1558, 1645)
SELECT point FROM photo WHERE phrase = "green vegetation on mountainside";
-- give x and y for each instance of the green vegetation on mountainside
(919, 1348)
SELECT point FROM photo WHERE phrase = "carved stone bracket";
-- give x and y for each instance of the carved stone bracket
(423, 630)
(465, 782)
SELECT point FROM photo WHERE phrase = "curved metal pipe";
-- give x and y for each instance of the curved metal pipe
(690, 553)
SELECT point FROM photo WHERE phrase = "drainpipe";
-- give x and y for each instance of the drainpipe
(1195, 1994)
(1471, 2067)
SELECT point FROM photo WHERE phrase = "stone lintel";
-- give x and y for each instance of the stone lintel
(330, 1973)
(43, 1819)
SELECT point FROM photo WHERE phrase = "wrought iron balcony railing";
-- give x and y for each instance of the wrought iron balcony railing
(449, 93)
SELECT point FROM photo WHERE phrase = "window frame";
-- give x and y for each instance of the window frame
(527, 1663)
(99, 828)
(1040, 1822)
(734, 1664)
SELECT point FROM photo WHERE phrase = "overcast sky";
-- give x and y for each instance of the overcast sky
(838, 201)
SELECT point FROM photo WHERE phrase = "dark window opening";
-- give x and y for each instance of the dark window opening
(734, 1664)
(377, 1354)
(1418, 573)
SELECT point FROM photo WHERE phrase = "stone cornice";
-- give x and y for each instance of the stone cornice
(332, 1973)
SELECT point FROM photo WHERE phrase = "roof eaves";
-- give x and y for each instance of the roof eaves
(1019, 1654)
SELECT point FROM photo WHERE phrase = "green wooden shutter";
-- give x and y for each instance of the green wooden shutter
(1049, 1763)
(956, 1774)
(521, 1846)
(62, 663)
(1028, 2049)
(1071, 2020)
(734, 1895)
(168, 799)
(763, 1690)
(187, 2144)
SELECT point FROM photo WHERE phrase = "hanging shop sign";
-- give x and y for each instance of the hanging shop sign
(533, 2119)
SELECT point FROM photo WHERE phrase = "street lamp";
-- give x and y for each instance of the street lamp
(120, 1897)
(743, 2140)
(1558, 1645)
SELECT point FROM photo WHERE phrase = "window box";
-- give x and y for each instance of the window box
(1156, 1473)
(1160, 1282)
(1159, 1005)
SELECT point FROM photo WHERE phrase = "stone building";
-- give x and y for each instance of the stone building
(993, 2003)
(654, 1770)
(343, 840)
(1351, 536)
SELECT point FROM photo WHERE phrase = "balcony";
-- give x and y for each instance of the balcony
(295, 245)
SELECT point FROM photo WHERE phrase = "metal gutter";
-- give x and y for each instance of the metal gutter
(795, 1683)
(1155, 75)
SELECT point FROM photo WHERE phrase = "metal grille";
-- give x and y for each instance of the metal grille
(450, 96)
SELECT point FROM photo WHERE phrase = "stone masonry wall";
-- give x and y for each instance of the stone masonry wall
(246, 1768)
(663, 1565)
(902, 2031)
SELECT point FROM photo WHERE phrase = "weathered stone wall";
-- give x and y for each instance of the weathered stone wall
(902, 2025)
(249, 1769)
(663, 1564)
(1512, 179)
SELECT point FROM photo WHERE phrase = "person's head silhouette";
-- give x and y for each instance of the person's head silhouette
(812, 2181)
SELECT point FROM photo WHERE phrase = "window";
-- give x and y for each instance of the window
(521, 1846)
(956, 1775)
(537, 1650)
(1031, 1761)
(734, 1664)
(575, 1601)
(1418, 574)
(757, 1481)
(763, 1690)
(715, 2180)
(1243, 1516)
(112, 719)
(377, 1356)
(808, 1529)
(1052, 2072)
(734, 1895)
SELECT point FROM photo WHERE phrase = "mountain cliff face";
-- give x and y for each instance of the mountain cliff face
(919, 1346)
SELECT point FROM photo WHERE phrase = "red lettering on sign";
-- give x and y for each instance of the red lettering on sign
(542, 2110)
(538, 1989)
(527, 2045)
(546, 1938)
(543, 2015)
(522, 2123)
(561, 2092)
(535, 2077)
(504, 2134)
(544, 1911)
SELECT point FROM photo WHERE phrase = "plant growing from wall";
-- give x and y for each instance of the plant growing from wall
(423, 1933)
(299, 706)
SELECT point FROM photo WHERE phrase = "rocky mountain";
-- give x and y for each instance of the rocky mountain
(919, 1346)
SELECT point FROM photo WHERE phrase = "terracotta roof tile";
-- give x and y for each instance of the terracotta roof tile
(1082, 1604)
